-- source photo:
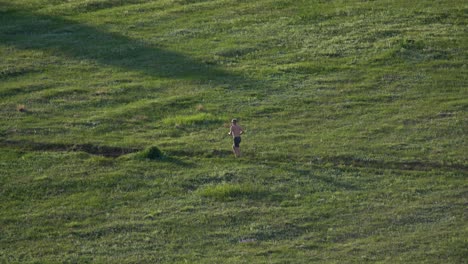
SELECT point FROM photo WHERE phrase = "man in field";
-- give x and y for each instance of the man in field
(235, 132)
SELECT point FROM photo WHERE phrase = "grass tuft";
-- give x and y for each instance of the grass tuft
(197, 119)
(228, 191)
(151, 153)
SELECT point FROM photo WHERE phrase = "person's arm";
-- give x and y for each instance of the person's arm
(230, 131)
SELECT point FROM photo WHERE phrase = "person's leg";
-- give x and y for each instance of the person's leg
(235, 147)
(234, 150)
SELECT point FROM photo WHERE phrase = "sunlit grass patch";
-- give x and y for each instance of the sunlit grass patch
(197, 119)
(227, 191)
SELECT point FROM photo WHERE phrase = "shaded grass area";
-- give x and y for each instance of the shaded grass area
(355, 119)
(68, 38)
(88, 148)
(132, 208)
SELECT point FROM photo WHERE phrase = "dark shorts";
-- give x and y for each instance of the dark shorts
(237, 141)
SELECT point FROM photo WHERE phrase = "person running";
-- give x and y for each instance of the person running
(236, 131)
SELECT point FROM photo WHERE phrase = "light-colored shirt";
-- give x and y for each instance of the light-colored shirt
(236, 130)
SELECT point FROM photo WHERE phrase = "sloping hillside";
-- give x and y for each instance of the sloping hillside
(115, 114)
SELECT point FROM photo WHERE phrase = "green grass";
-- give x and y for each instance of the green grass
(197, 119)
(355, 115)
(226, 191)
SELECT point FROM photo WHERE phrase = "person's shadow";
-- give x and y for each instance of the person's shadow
(23, 29)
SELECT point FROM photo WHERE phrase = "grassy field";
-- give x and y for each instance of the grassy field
(114, 120)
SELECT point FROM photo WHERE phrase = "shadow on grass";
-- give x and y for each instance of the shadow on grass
(329, 180)
(415, 165)
(98, 150)
(106, 151)
(177, 161)
(27, 30)
(24, 29)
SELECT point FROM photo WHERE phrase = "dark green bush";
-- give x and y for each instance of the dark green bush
(152, 153)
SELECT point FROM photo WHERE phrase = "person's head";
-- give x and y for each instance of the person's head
(234, 121)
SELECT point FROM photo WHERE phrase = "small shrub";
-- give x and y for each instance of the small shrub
(152, 153)
(411, 44)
